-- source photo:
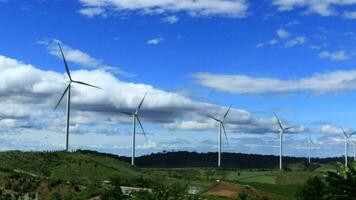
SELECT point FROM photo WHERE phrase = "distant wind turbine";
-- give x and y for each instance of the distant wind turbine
(347, 137)
(68, 90)
(354, 150)
(281, 133)
(134, 118)
(221, 127)
(310, 143)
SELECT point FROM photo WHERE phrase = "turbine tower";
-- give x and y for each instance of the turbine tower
(68, 91)
(347, 137)
(354, 149)
(281, 133)
(310, 143)
(135, 118)
(221, 127)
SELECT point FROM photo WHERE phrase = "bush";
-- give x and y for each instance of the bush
(113, 194)
(313, 189)
(340, 185)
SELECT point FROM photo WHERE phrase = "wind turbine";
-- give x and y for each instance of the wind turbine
(67, 91)
(281, 133)
(354, 150)
(221, 126)
(310, 143)
(347, 137)
(135, 117)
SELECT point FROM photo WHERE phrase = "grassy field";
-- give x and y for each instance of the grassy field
(82, 176)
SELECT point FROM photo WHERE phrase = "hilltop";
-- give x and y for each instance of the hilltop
(181, 159)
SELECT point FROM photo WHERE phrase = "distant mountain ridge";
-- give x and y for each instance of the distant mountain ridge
(178, 159)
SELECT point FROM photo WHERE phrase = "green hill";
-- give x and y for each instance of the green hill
(47, 173)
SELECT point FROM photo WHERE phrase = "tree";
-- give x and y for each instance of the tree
(340, 185)
(113, 194)
(313, 189)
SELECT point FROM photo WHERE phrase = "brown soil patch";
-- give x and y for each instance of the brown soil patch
(232, 190)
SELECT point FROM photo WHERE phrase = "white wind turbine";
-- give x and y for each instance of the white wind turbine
(310, 143)
(354, 149)
(281, 133)
(347, 137)
(135, 117)
(221, 127)
(68, 91)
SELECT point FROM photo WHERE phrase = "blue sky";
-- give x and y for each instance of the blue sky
(296, 58)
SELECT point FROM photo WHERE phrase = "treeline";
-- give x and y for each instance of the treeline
(174, 159)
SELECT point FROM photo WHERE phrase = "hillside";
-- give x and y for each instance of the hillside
(89, 174)
(50, 172)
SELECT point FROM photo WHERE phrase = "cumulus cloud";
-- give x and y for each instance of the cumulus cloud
(317, 84)
(29, 89)
(321, 7)
(337, 55)
(227, 8)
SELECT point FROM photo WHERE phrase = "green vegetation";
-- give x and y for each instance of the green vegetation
(340, 185)
(82, 175)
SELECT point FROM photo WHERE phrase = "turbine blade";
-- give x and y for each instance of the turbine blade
(344, 132)
(139, 106)
(227, 140)
(289, 128)
(65, 62)
(353, 133)
(126, 113)
(227, 112)
(65, 91)
(143, 131)
(278, 121)
(214, 118)
(82, 83)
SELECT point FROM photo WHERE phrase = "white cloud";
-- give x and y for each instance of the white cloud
(30, 93)
(171, 19)
(316, 84)
(92, 12)
(154, 41)
(321, 7)
(337, 55)
(296, 41)
(79, 57)
(292, 23)
(270, 42)
(282, 33)
(228, 8)
(282, 36)
(350, 15)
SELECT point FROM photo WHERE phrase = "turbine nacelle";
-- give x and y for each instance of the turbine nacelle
(282, 129)
(347, 136)
(136, 116)
(221, 122)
